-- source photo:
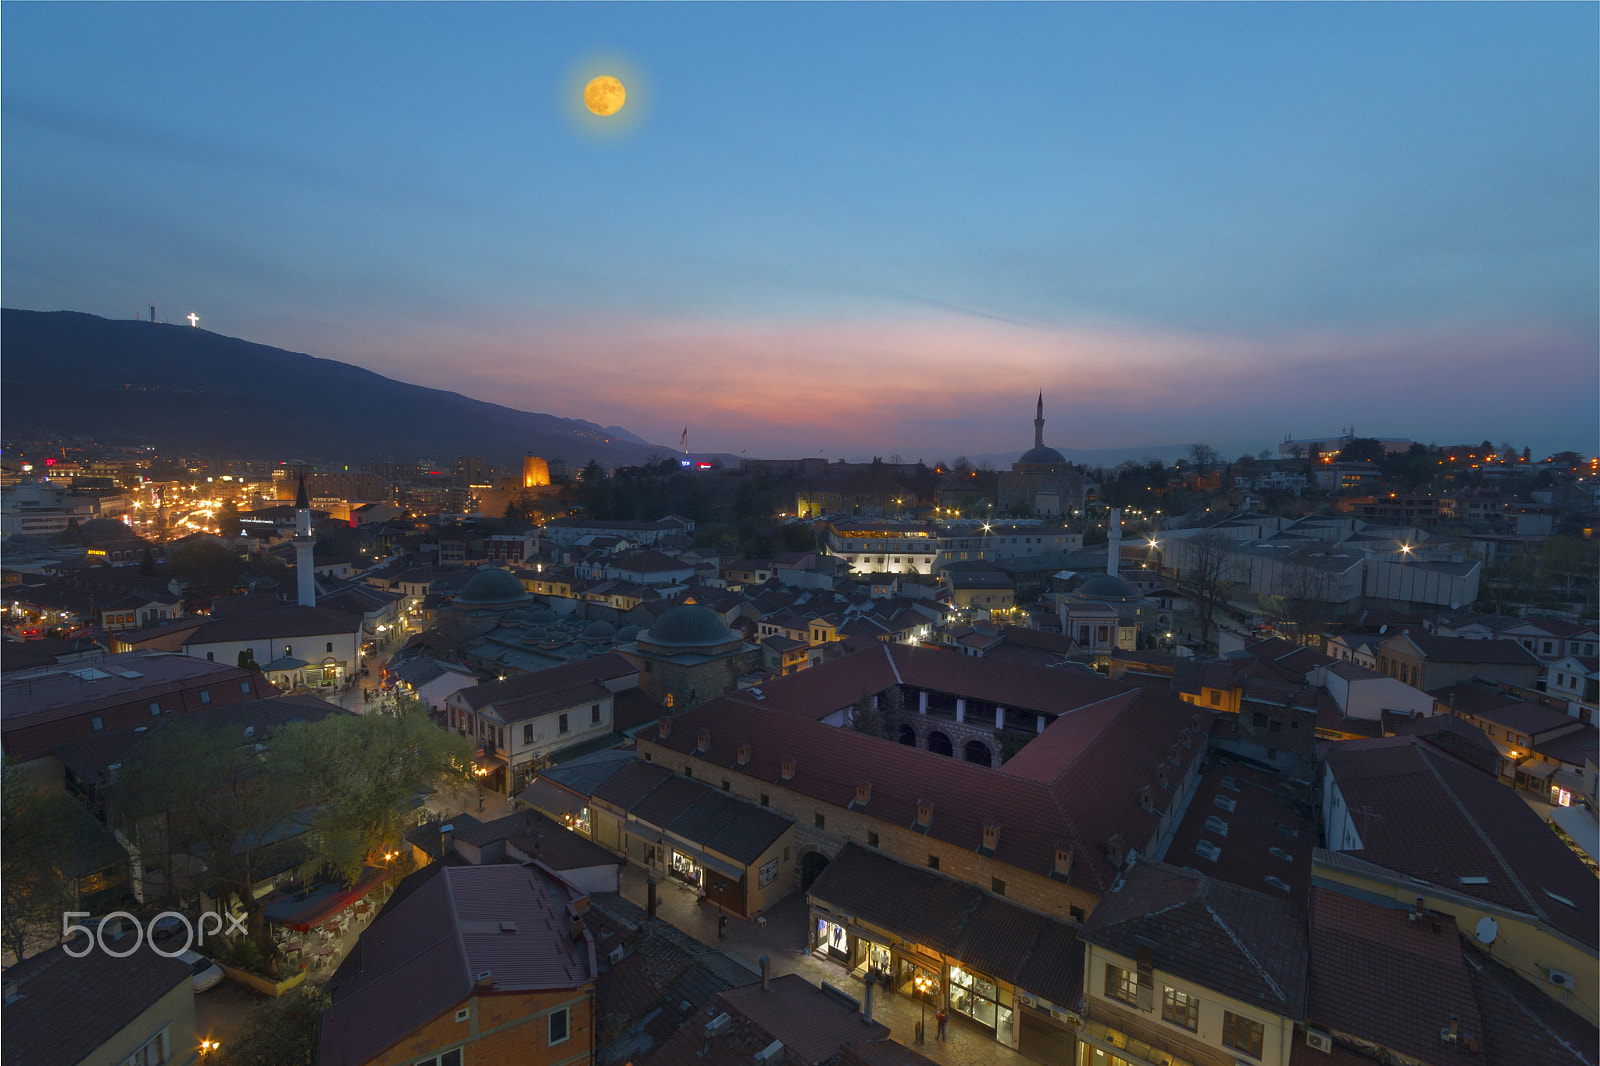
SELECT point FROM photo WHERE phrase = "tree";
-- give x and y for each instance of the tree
(893, 712)
(1204, 457)
(282, 1032)
(194, 792)
(247, 660)
(1207, 575)
(147, 563)
(864, 717)
(35, 888)
(72, 534)
(359, 773)
(1362, 450)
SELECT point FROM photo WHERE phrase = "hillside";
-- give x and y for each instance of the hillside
(67, 374)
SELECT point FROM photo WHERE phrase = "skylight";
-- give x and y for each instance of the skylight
(1206, 849)
(1473, 880)
(1217, 825)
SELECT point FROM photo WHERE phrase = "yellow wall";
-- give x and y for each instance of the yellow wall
(1527, 946)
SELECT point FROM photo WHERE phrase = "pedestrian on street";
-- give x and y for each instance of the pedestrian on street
(941, 1018)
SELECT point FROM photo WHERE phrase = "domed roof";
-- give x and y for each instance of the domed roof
(540, 616)
(627, 633)
(1041, 455)
(1108, 587)
(492, 587)
(598, 630)
(688, 625)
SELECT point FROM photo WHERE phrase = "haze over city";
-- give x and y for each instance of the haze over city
(847, 229)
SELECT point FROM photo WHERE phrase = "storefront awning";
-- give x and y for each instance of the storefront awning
(324, 901)
(723, 867)
(1537, 771)
(550, 799)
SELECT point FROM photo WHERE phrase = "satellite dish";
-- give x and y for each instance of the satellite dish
(1487, 930)
(1382, 630)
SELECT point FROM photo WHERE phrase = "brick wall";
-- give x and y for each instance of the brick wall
(1028, 888)
(503, 1030)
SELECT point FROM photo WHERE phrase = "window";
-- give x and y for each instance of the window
(205, 695)
(156, 1050)
(727, 786)
(1180, 1008)
(1077, 914)
(1242, 1034)
(872, 838)
(561, 724)
(933, 862)
(463, 1014)
(594, 715)
(997, 886)
(500, 736)
(155, 710)
(527, 733)
(244, 686)
(330, 645)
(764, 800)
(211, 656)
(1259, 720)
(1216, 698)
(688, 771)
(822, 822)
(769, 872)
(448, 1058)
(1122, 984)
(558, 1026)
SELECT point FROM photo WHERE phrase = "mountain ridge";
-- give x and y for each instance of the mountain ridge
(187, 388)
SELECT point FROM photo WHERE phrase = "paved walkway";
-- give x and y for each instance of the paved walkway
(783, 941)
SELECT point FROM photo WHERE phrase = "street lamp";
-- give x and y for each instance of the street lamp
(923, 983)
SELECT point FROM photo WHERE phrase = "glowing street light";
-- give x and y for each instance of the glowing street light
(923, 983)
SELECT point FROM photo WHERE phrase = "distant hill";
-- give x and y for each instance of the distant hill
(64, 373)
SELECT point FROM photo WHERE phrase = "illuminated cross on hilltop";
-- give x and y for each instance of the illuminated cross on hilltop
(194, 319)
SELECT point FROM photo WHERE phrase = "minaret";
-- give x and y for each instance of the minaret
(1114, 544)
(304, 568)
(1038, 424)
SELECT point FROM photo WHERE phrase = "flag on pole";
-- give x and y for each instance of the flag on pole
(685, 441)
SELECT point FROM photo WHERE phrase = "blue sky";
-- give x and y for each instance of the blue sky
(859, 228)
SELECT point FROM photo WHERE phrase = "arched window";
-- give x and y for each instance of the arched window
(330, 645)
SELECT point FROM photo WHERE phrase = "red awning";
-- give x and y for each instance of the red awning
(320, 908)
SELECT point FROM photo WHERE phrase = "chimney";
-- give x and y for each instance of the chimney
(991, 836)
(664, 729)
(924, 813)
(446, 839)
(1063, 868)
(863, 794)
(788, 769)
(484, 981)
(1146, 800)
(1455, 1027)
(766, 971)
(1161, 774)
(744, 755)
(1114, 848)
(702, 740)
(576, 928)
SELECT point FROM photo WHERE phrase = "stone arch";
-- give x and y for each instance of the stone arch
(812, 863)
(940, 744)
(908, 736)
(977, 751)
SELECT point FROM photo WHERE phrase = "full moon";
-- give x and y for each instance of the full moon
(604, 95)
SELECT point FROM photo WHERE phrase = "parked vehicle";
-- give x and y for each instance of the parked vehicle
(206, 974)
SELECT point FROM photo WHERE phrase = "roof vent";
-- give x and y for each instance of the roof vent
(664, 727)
(1231, 784)
(1227, 803)
(744, 755)
(702, 740)
(1114, 849)
(1207, 850)
(758, 694)
(508, 927)
(991, 836)
(1277, 882)
(788, 769)
(863, 795)
(924, 814)
(1281, 854)
(769, 1054)
(718, 1024)
(485, 979)
(1217, 825)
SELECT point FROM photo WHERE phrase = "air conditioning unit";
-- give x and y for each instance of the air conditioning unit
(1027, 1000)
(718, 1024)
(616, 954)
(773, 1052)
(1318, 1039)
(1561, 979)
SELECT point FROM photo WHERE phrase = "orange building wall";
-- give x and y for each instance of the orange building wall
(503, 1030)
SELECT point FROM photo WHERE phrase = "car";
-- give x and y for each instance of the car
(205, 973)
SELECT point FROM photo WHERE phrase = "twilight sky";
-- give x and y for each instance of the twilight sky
(864, 229)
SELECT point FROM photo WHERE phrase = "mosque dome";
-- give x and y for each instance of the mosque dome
(492, 588)
(688, 625)
(598, 630)
(627, 633)
(1107, 587)
(540, 616)
(1042, 454)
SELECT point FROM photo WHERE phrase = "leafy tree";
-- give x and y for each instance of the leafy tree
(247, 660)
(35, 888)
(359, 774)
(206, 562)
(893, 712)
(1362, 450)
(147, 563)
(196, 789)
(864, 717)
(282, 1032)
(72, 534)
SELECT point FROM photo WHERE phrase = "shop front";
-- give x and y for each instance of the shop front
(983, 1001)
(832, 940)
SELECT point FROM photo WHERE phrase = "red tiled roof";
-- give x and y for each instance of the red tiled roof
(1463, 650)
(505, 693)
(1264, 817)
(1521, 1023)
(1435, 818)
(1080, 789)
(1378, 976)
